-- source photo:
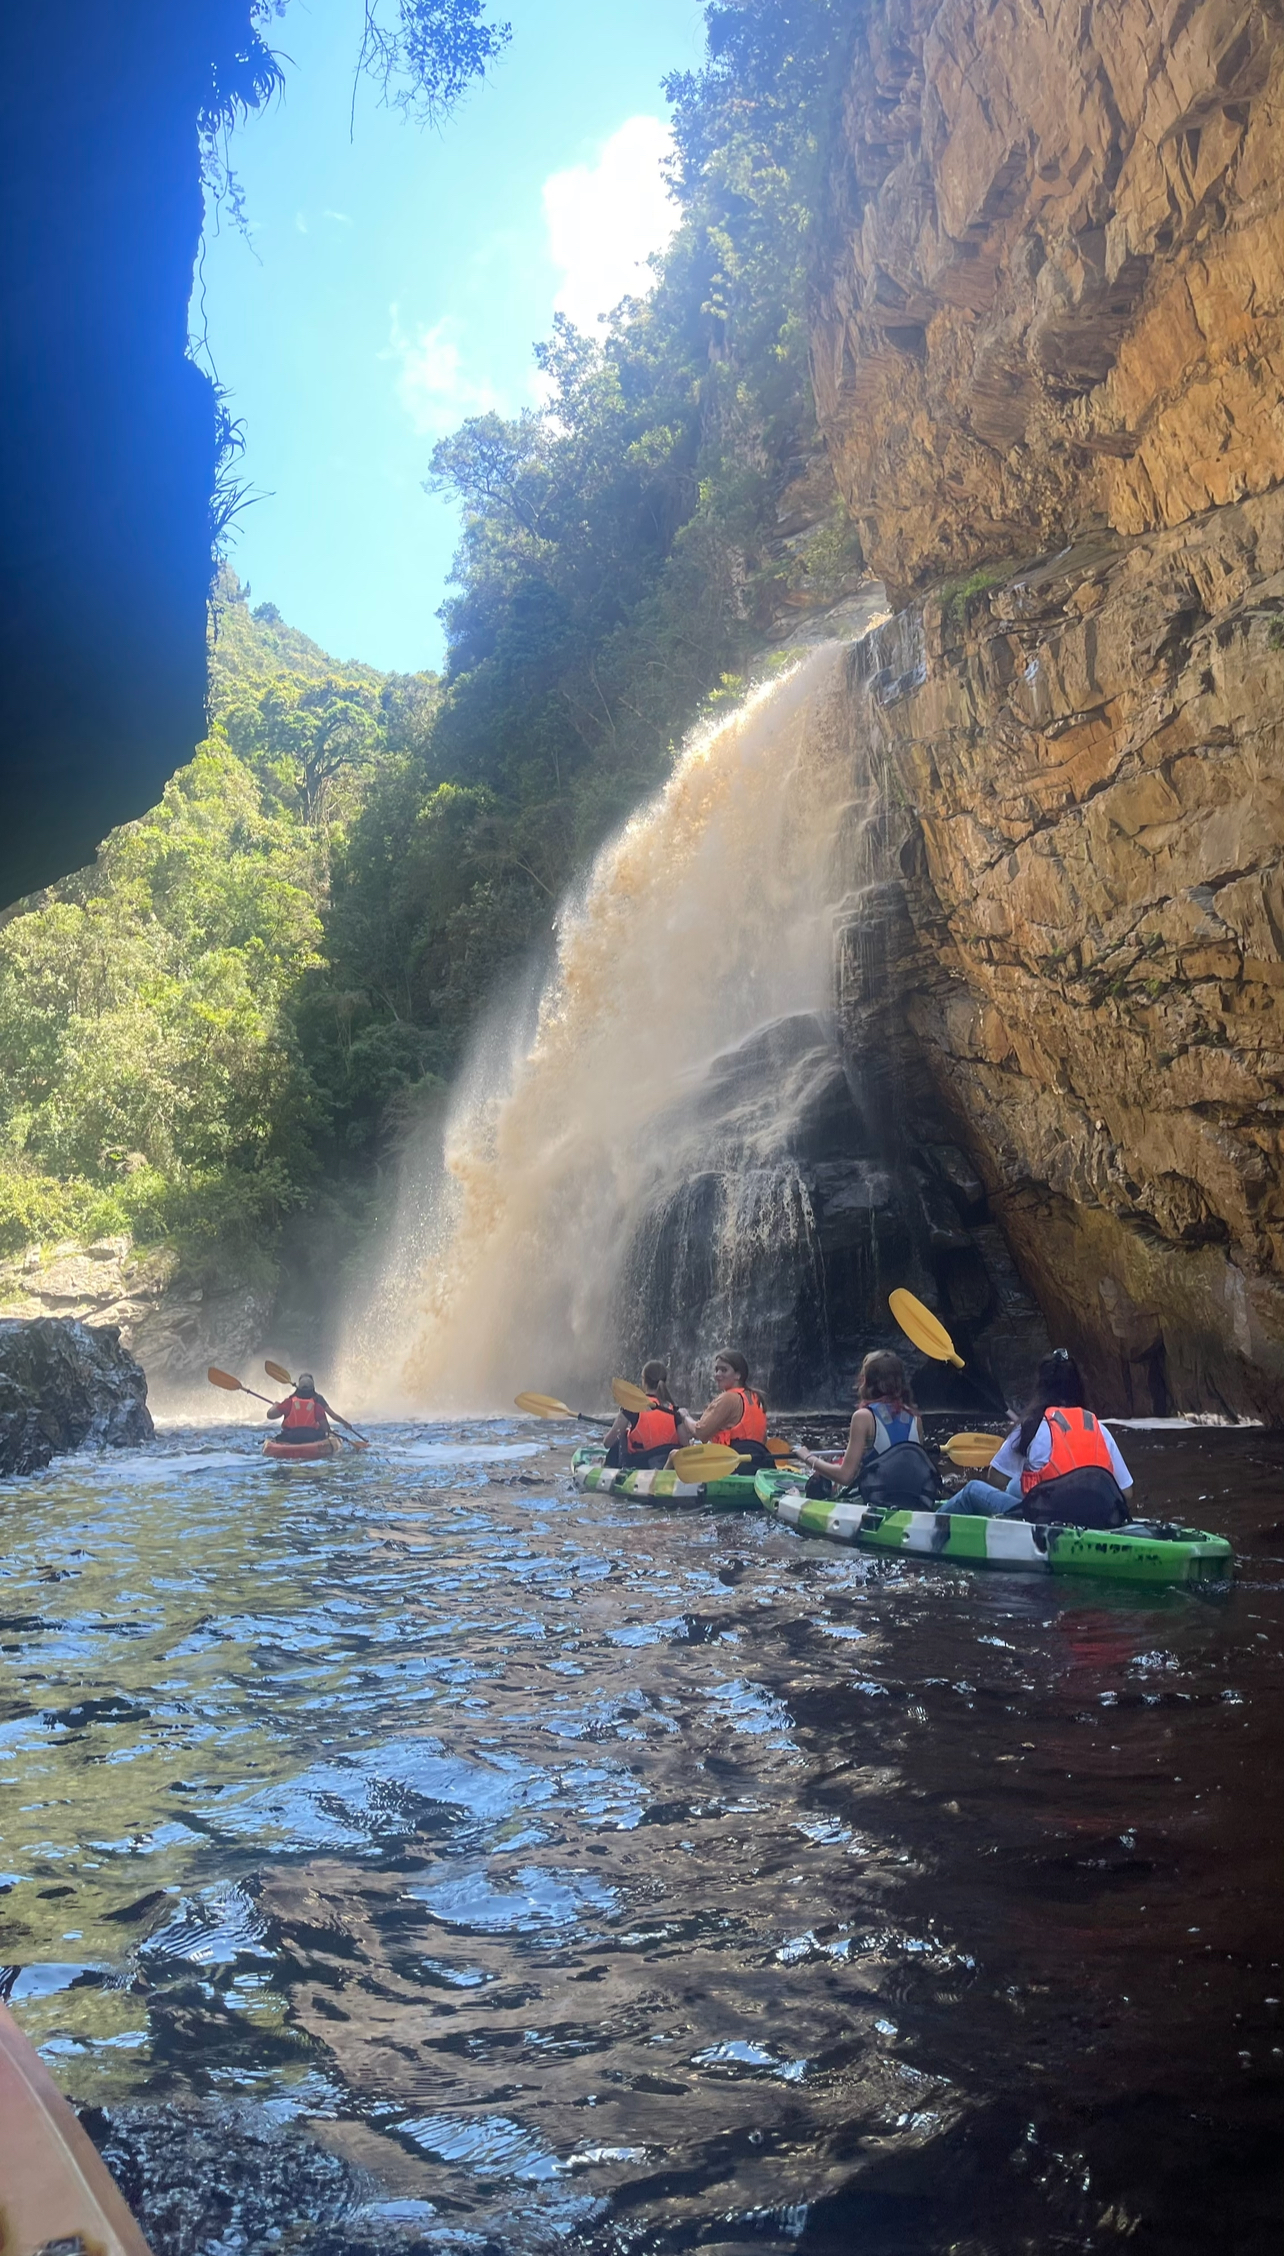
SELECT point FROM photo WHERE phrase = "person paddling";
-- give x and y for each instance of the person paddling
(305, 1415)
(1059, 1464)
(735, 1416)
(884, 1458)
(642, 1438)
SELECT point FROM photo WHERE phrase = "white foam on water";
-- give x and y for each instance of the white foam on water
(1191, 1419)
(460, 1452)
(143, 1465)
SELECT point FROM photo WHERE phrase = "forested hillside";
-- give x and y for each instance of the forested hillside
(153, 1074)
(222, 1024)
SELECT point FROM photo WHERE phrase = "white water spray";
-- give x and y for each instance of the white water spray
(709, 916)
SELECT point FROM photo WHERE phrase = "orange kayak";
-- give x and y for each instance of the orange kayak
(55, 2190)
(303, 1452)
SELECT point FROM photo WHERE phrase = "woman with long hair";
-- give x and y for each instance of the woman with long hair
(735, 1415)
(640, 1438)
(884, 1458)
(1058, 1463)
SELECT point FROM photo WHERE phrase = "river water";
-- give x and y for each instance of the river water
(408, 1853)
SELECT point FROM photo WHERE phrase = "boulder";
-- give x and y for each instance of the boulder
(63, 1385)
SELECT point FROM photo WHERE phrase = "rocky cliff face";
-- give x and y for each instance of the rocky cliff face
(168, 1320)
(789, 1244)
(64, 1386)
(1050, 365)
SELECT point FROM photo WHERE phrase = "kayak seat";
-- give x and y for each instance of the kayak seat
(900, 1479)
(1088, 1497)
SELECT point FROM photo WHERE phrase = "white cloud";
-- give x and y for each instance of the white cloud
(433, 384)
(605, 219)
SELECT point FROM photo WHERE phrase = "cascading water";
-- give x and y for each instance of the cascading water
(616, 1143)
(715, 1125)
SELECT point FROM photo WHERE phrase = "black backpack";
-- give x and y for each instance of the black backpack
(899, 1479)
(1088, 1497)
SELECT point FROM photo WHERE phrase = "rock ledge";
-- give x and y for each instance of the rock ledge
(64, 1384)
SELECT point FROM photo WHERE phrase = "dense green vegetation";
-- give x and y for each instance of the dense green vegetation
(620, 551)
(226, 1020)
(152, 1074)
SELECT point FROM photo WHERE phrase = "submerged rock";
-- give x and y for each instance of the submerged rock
(63, 1384)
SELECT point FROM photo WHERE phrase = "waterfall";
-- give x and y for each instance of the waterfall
(622, 1179)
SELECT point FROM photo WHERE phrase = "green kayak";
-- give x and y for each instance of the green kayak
(1143, 1551)
(589, 1471)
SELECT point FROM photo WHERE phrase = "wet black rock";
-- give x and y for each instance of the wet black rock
(62, 1385)
(807, 1177)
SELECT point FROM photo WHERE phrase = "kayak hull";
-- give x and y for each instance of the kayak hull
(1138, 1553)
(302, 1452)
(55, 2191)
(659, 1487)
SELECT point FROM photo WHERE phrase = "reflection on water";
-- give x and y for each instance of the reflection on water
(405, 1852)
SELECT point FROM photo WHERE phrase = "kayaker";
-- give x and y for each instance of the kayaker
(884, 1459)
(735, 1416)
(642, 1438)
(1059, 1464)
(305, 1415)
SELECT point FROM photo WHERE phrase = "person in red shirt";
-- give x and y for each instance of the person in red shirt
(305, 1415)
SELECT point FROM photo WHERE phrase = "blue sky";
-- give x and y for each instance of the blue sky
(395, 282)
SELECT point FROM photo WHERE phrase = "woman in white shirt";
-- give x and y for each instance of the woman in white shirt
(1058, 1437)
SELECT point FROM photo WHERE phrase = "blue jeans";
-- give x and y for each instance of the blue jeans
(981, 1499)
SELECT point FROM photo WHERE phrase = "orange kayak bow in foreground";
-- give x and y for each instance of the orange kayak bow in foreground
(55, 2189)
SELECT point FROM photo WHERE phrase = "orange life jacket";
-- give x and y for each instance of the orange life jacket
(304, 1416)
(752, 1425)
(1077, 1440)
(655, 1428)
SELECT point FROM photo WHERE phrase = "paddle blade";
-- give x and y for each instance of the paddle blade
(972, 1449)
(706, 1461)
(778, 1447)
(926, 1330)
(224, 1379)
(626, 1396)
(542, 1406)
(274, 1371)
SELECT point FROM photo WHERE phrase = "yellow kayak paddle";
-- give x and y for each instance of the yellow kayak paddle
(626, 1396)
(707, 1461)
(972, 1449)
(548, 1406)
(230, 1385)
(926, 1330)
